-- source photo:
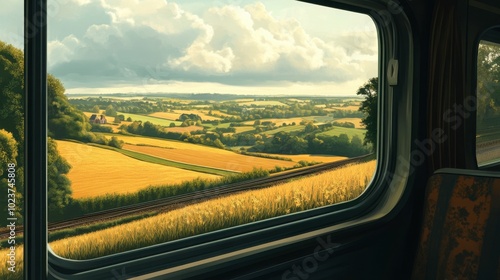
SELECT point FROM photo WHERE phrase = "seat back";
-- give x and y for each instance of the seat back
(460, 235)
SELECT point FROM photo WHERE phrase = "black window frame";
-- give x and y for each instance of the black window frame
(388, 191)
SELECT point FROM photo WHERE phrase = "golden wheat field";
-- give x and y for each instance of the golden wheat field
(97, 171)
(18, 273)
(164, 143)
(221, 159)
(327, 188)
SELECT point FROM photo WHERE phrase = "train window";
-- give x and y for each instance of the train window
(171, 119)
(11, 138)
(488, 105)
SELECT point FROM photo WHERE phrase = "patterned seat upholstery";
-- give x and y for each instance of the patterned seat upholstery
(460, 236)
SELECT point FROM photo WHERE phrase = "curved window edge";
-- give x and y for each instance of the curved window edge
(380, 200)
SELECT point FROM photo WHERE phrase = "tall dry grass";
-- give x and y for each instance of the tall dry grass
(6, 274)
(327, 188)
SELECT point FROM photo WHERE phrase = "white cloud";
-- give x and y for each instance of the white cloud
(100, 33)
(62, 51)
(227, 44)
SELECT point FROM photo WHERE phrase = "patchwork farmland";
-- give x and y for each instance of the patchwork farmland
(164, 147)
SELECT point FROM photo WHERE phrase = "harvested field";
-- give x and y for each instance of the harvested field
(96, 171)
(221, 159)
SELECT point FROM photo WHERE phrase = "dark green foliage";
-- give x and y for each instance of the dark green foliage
(95, 127)
(59, 186)
(115, 142)
(12, 121)
(8, 150)
(8, 155)
(285, 143)
(488, 88)
(12, 92)
(344, 124)
(110, 111)
(369, 107)
(64, 121)
(191, 117)
(347, 114)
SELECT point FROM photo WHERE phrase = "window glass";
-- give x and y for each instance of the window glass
(188, 106)
(488, 108)
(11, 138)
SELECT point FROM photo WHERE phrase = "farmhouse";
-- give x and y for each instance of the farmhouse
(101, 119)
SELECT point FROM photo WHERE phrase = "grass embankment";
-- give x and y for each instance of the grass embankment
(327, 188)
(82, 206)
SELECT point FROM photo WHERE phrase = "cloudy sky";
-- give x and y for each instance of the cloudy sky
(268, 47)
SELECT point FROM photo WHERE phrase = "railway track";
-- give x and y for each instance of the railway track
(193, 197)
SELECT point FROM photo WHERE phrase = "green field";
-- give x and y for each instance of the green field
(152, 120)
(337, 130)
(243, 129)
(290, 128)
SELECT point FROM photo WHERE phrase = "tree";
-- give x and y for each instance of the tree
(96, 109)
(12, 92)
(64, 120)
(115, 142)
(59, 186)
(8, 155)
(369, 107)
(12, 120)
(110, 111)
(8, 150)
(488, 82)
(310, 127)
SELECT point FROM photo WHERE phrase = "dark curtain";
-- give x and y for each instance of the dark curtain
(447, 112)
